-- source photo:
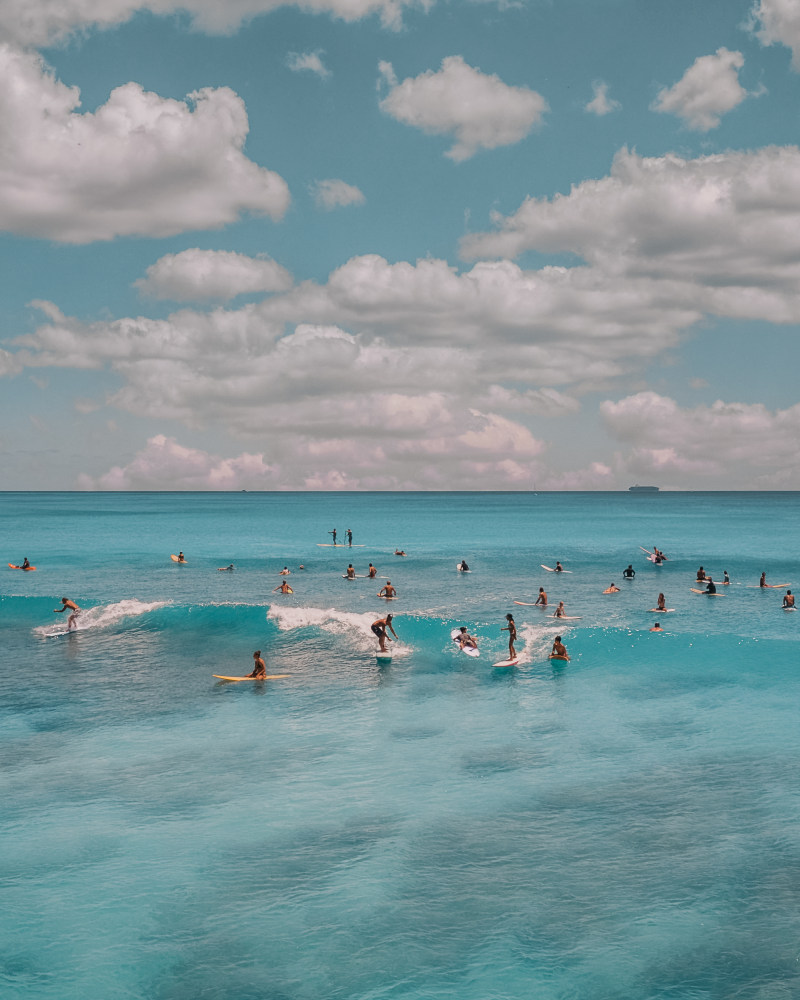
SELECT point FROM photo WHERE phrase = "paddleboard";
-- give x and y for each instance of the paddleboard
(694, 590)
(551, 570)
(469, 650)
(25, 569)
(340, 545)
(269, 677)
(460, 570)
(507, 663)
(181, 562)
(663, 611)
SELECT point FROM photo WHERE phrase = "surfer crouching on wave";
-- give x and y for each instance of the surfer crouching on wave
(259, 667)
(68, 605)
(379, 628)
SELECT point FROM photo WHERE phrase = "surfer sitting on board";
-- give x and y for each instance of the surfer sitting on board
(465, 640)
(611, 590)
(725, 578)
(559, 650)
(181, 557)
(372, 572)
(763, 581)
(463, 567)
(511, 628)
(259, 667)
(788, 599)
(351, 573)
(379, 628)
(542, 598)
(559, 568)
(560, 611)
(68, 605)
(283, 587)
(661, 604)
(711, 588)
(701, 575)
(388, 590)
(629, 573)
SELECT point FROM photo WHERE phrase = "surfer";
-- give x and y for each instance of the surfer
(372, 572)
(72, 607)
(259, 667)
(334, 535)
(559, 650)
(559, 568)
(560, 611)
(656, 628)
(763, 581)
(661, 604)
(351, 573)
(725, 578)
(399, 552)
(511, 628)
(226, 569)
(463, 567)
(629, 573)
(613, 589)
(283, 587)
(379, 628)
(181, 557)
(465, 640)
(788, 599)
(541, 600)
(25, 563)
(388, 590)
(701, 575)
(350, 538)
(711, 586)
(285, 571)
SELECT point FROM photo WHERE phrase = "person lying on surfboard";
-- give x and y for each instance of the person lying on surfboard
(399, 552)
(379, 627)
(68, 605)
(511, 628)
(613, 589)
(388, 590)
(284, 588)
(542, 598)
(259, 667)
(559, 650)
(465, 640)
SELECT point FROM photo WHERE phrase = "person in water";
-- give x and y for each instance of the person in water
(629, 573)
(657, 628)
(181, 557)
(613, 589)
(399, 552)
(559, 650)
(560, 611)
(334, 535)
(763, 581)
(284, 588)
(259, 667)
(788, 599)
(351, 573)
(559, 568)
(349, 537)
(725, 578)
(285, 571)
(511, 628)
(465, 640)
(661, 604)
(372, 572)
(388, 590)
(379, 628)
(226, 569)
(72, 607)
(25, 563)
(463, 567)
(541, 600)
(711, 587)
(701, 575)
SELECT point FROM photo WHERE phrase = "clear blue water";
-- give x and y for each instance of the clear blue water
(621, 827)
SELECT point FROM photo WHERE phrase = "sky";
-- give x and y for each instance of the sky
(399, 244)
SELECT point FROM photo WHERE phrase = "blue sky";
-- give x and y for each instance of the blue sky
(387, 244)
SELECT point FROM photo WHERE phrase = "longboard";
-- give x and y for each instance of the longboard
(555, 656)
(551, 570)
(792, 608)
(694, 590)
(26, 569)
(663, 611)
(507, 663)
(269, 677)
(224, 569)
(182, 562)
(469, 650)
(767, 586)
(379, 656)
(530, 604)
(567, 618)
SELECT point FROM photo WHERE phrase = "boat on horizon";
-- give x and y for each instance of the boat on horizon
(643, 489)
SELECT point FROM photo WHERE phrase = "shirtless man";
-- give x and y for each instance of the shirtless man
(285, 571)
(181, 557)
(511, 628)
(284, 588)
(388, 590)
(560, 611)
(701, 575)
(763, 581)
(372, 572)
(334, 535)
(399, 552)
(351, 573)
(559, 568)
(559, 650)
(259, 667)
(788, 599)
(350, 538)
(465, 640)
(611, 590)
(541, 600)
(72, 607)
(656, 628)
(379, 628)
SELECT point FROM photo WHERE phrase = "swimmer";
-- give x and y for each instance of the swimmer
(465, 640)
(285, 571)
(379, 627)
(72, 607)
(372, 572)
(656, 628)
(388, 590)
(541, 600)
(611, 590)
(559, 650)
(284, 588)
(629, 573)
(511, 628)
(351, 573)
(788, 599)
(259, 667)
(560, 611)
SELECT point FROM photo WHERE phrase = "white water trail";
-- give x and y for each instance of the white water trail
(101, 616)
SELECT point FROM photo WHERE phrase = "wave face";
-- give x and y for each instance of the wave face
(620, 825)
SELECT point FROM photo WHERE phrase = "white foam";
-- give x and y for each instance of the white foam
(103, 615)
(358, 627)
(537, 641)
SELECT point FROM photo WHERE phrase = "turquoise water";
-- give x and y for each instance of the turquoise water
(620, 827)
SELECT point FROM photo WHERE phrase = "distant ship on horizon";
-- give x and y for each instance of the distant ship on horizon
(643, 489)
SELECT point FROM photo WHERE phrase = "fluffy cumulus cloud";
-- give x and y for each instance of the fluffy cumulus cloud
(332, 193)
(479, 110)
(310, 62)
(138, 165)
(744, 444)
(601, 104)
(706, 91)
(196, 275)
(777, 22)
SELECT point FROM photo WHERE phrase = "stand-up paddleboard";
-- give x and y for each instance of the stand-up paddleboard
(469, 650)
(224, 569)
(24, 568)
(694, 590)
(663, 611)
(460, 570)
(530, 604)
(551, 570)
(269, 677)
(340, 545)
(181, 562)
(507, 663)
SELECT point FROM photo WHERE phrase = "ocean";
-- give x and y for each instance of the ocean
(622, 826)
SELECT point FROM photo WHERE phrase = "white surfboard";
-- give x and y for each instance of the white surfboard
(567, 618)
(551, 570)
(507, 663)
(530, 604)
(469, 650)
(662, 611)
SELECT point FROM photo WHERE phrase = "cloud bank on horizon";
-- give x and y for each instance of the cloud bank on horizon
(458, 279)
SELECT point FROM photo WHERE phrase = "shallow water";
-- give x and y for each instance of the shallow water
(621, 826)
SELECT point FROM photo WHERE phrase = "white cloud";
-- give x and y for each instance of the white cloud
(479, 110)
(332, 193)
(707, 90)
(196, 275)
(308, 61)
(601, 104)
(139, 165)
(779, 25)
(743, 444)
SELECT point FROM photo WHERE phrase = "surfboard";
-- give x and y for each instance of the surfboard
(181, 562)
(340, 545)
(379, 656)
(507, 663)
(567, 618)
(25, 569)
(792, 608)
(551, 570)
(530, 604)
(64, 631)
(469, 650)
(269, 677)
(663, 611)
(694, 590)
(383, 597)
(224, 569)
(767, 586)
(555, 656)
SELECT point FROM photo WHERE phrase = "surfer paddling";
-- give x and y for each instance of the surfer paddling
(379, 628)
(259, 667)
(72, 607)
(657, 628)
(388, 590)
(613, 589)
(511, 628)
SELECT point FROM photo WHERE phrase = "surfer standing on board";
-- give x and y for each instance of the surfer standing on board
(259, 667)
(542, 598)
(559, 650)
(349, 537)
(388, 590)
(68, 605)
(379, 628)
(511, 628)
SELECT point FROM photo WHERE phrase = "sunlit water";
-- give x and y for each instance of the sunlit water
(624, 826)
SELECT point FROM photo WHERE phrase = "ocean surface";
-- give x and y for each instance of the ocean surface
(624, 826)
